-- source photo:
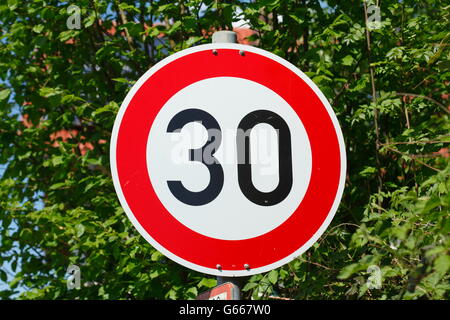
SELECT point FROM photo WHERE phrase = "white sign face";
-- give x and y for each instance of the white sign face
(228, 159)
(230, 216)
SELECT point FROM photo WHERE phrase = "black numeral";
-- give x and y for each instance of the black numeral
(284, 158)
(203, 155)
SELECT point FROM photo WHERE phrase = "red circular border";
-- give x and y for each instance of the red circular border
(170, 233)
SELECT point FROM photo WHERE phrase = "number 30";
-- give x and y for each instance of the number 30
(243, 154)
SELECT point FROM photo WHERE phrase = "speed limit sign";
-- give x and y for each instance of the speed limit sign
(228, 159)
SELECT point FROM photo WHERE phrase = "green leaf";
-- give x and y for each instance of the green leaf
(89, 21)
(70, 98)
(192, 292)
(57, 185)
(12, 4)
(273, 276)
(207, 282)
(79, 229)
(174, 28)
(69, 34)
(347, 60)
(57, 160)
(368, 171)
(442, 264)
(4, 94)
(3, 276)
(297, 19)
(26, 234)
(123, 80)
(38, 28)
(15, 282)
(249, 286)
(192, 40)
(127, 7)
(111, 107)
(166, 7)
(348, 270)
(156, 256)
(47, 92)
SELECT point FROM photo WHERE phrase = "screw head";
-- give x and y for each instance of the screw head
(246, 266)
(218, 266)
(242, 52)
(215, 52)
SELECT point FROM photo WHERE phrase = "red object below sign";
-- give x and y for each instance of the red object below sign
(226, 291)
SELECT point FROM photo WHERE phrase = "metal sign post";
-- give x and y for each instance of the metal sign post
(226, 36)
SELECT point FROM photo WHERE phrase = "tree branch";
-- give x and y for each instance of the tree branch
(374, 100)
(440, 105)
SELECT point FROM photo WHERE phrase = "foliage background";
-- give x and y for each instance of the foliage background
(388, 86)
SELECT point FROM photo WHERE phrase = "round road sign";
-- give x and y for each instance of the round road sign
(228, 159)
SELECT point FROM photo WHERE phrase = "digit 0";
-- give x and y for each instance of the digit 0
(284, 158)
